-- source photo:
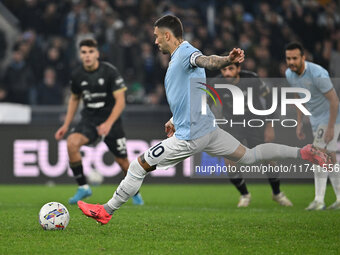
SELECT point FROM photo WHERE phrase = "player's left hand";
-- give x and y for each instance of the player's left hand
(103, 129)
(329, 134)
(269, 133)
(236, 55)
(169, 129)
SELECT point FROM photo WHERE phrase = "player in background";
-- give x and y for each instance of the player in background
(102, 90)
(325, 118)
(189, 130)
(253, 136)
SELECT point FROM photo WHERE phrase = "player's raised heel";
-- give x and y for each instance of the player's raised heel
(137, 199)
(314, 155)
(282, 199)
(80, 194)
(316, 206)
(96, 212)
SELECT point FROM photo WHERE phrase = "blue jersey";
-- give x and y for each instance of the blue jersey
(316, 79)
(184, 99)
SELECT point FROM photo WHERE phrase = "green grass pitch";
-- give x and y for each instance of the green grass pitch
(177, 219)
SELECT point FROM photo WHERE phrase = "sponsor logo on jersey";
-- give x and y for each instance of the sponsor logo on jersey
(120, 81)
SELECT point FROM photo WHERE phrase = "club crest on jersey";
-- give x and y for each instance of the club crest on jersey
(101, 81)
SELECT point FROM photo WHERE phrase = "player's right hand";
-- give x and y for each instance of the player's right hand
(169, 129)
(60, 133)
(299, 132)
(236, 55)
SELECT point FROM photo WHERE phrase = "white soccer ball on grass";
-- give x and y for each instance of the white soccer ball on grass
(54, 216)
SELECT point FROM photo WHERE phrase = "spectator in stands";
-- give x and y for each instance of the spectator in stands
(19, 80)
(335, 61)
(3, 93)
(122, 26)
(51, 20)
(49, 91)
(32, 49)
(54, 60)
(3, 44)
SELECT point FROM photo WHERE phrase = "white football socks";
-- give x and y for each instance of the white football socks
(127, 188)
(320, 182)
(334, 177)
(268, 151)
(85, 186)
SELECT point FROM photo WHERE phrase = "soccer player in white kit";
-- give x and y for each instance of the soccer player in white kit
(189, 130)
(325, 118)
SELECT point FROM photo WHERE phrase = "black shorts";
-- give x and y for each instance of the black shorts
(115, 140)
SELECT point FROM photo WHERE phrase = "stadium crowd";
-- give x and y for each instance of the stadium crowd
(46, 50)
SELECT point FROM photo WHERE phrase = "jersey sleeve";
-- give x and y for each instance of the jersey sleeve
(75, 88)
(193, 57)
(323, 82)
(189, 56)
(288, 78)
(117, 82)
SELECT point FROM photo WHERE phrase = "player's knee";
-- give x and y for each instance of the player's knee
(249, 157)
(229, 162)
(136, 170)
(73, 144)
(144, 164)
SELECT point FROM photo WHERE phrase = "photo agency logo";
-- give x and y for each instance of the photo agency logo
(204, 98)
(242, 102)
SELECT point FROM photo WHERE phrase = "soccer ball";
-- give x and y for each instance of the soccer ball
(53, 216)
(94, 178)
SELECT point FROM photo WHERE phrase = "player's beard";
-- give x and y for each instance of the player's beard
(163, 51)
(230, 79)
(297, 68)
(294, 68)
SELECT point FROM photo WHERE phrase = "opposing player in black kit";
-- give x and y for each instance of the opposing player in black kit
(102, 90)
(253, 136)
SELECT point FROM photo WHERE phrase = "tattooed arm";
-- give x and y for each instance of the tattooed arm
(215, 62)
(212, 62)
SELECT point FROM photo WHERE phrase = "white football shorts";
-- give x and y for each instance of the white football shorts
(172, 151)
(319, 138)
